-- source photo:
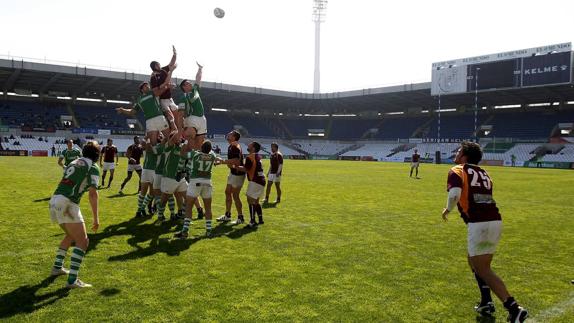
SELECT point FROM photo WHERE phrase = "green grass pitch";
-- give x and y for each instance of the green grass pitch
(351, 241)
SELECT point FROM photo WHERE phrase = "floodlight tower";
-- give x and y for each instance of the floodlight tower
(319, 12)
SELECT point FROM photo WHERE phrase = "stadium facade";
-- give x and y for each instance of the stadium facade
(532, 123)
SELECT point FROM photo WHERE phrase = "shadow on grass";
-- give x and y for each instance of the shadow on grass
(108, 292)
(46, 199)
(270, 205)
(24, 299)
(149, 233)
(485, 319)
(121, 195)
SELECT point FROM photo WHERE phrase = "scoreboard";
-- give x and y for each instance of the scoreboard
(540, 66)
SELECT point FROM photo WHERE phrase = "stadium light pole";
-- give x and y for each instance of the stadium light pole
(319, 12)
(476, 103)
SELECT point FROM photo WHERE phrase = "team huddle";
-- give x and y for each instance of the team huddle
(177, 170)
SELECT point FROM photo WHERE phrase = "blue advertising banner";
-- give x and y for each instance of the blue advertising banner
(547, 69)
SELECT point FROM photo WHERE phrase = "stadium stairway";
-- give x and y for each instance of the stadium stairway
(286, 129)
(277, 128)
(401, 148)
(350, 148)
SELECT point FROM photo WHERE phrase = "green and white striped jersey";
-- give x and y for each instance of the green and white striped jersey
(79, 176)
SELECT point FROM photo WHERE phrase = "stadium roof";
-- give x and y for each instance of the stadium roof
(52, 80)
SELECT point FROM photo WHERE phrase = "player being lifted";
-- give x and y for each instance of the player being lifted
(134, 154)
(470, 187)
(200, 169)
(69, 155)
(148, 103)
(81, 175)
(415, 159)
(256, 178)
(109, 153)
(195, 124)
(235, 179)
(162, 89)
(275, 172)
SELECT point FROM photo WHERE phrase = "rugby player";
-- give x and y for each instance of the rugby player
(172, 182)
(195, 124)
(415, 159)
(470, 187)
(155, 120)
(69, 155)
(235, 179)
(200, 167)
(81, 175)
(254, 169)
(133, 154)
(109, 153)
(145, 195)
(162, 90)
(275, 172)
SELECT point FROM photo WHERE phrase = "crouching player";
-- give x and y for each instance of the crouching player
(470, 187)
(81, 175)
(254, 169)
(200, 167)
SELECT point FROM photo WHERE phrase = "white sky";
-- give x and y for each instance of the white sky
(270, 43)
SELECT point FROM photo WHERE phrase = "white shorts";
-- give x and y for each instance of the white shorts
(147, 176)
(109, 166)
(273, 178)
(483, 237)
(199, 123)
(157, 179)
(170, 185)
(236, 181)
(254, 190)
(132, 167)
(415, 165)
(200, 187)
(62, 210)
(158, 123)
(168, 104)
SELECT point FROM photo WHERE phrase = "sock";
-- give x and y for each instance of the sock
(75, 262)
(186, 224)
(183, 208)
(160, 209)
(140, 202)
(511, 305)
(484, 290)
(145, 202)
(60, 256)
(251, 213)
(171, 204)
(208, 225)
(258, 209)
(227, 214)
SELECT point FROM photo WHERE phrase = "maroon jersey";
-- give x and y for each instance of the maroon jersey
(109, 153)
(135, 152)
(157, 79)
(416, 158)
(276, 159)
(234, 151)
(254, 169)
(476, 203)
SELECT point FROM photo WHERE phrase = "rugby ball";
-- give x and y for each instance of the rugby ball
(219, 13)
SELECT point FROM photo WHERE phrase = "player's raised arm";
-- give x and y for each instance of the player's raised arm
(93, 196)
(173, 58)
(60, 161)
(126, 111)
(199, 74)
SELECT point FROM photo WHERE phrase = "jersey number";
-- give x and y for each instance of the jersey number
(485, 180)
(70, 171)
